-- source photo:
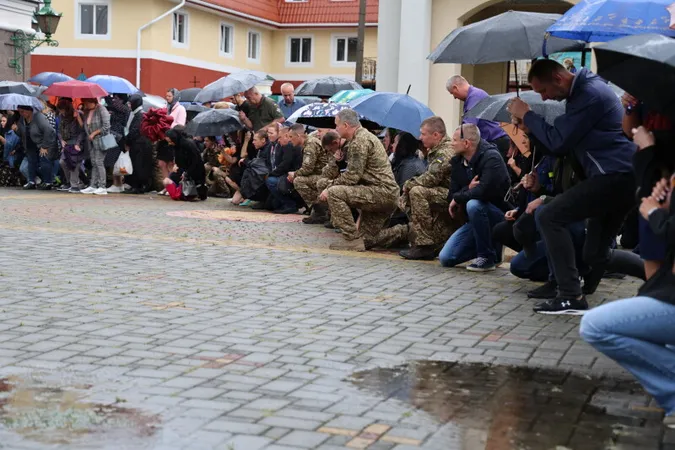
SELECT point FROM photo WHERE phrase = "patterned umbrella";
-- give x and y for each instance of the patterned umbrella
(348, 96)
(326, 87)
(322, 115)
(49, 78)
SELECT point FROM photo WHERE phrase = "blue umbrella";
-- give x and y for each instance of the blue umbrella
(605, 20)
(48, 78)
(10, 102)
(391, 110)
(113, 84)
(322, 115)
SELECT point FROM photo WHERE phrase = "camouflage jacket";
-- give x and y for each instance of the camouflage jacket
(314, 158)
(438, 169)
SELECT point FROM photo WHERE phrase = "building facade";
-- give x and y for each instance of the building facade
(410, 29)
(199, 41)
(14, 15)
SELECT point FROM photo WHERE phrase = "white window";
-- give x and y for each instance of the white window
(300, 51)
(344, 49)
(93, 19)
(180, 29)
(254, 46)
(227, 40)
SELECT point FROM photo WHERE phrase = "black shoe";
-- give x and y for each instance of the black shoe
(260, 206)
(563, 306)
(329, 225)
(286, 211)
(314, 220)
(420, 252)
(29, 186)
(45, 187)
(592, 281)
(548, 290)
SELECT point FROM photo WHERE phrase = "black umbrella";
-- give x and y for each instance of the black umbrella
(494, 107)
(14, 87)
(214, 122)
(188, 95)
(193, 109)
(644, 66)
(326, 87)
(513, 35)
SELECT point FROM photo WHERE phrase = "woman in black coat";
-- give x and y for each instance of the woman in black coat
(189, 166)
(139, 148)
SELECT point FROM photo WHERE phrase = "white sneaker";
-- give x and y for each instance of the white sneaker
(126, 187)
(101, 191)
(89, 190)
(115, 189)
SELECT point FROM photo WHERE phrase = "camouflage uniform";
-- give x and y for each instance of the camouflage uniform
(215, 172)
(367, 185)
(314, 158)
(425, 199)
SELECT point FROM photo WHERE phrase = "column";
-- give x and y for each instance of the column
(414, 47)
(388, 27)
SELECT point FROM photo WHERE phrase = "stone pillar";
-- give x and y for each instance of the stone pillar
(388, 27)
(414, 47)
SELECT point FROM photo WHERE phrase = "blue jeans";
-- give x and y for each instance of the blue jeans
(279, 200)
(44, 166)
(474, 238)
(635, 333)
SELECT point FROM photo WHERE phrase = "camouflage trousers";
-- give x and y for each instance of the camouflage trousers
(398, 234)
(216, 183)
(306, 187)
(427, 209)
(322, 184)
(374, 204)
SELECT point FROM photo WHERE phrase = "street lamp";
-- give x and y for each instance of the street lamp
(47, 21)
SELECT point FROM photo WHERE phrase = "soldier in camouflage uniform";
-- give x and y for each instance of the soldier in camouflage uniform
(367, 185)
(314, 158)
(216, 173)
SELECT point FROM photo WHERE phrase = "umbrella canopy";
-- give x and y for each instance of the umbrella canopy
(75, 89)
(348, 96)
(153, 101)
(326, 87)
(513, 35)
(49, 78)
(605, 20)
(230, 85)
(188, 95)
(494, 107)
(322, 115)
(113, 84)
(214, 122)
(14, 87)
(10, 102)
(644, 66)
(195, 108)
(391, 110)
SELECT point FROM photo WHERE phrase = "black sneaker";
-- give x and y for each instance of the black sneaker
(63, 188)
(563, 306)
(419, 253)
(45, 187)
(29, 186)
(548, 290)
(481, 265)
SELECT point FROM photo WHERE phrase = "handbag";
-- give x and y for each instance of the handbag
(188, 188)
(108, 142)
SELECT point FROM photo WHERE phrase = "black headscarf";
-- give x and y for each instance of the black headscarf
(135, 101)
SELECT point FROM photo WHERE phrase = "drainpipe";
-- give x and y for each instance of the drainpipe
(138, 39)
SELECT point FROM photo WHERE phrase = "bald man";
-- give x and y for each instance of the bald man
(289, 104)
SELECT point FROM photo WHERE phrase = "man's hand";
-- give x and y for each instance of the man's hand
(643, 138)
(474, 183)
(531, 182)
(241, 162)
(291, 176)
(324, 195)
(242, 116)
(518, 108)
(453, 209)
(648, 204)
(661, 191)
(44, 152)
(511, 215)
(533, 205)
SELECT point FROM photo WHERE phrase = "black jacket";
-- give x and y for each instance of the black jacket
(661, 285)
(189, 159)
(286, 159)
(487, 163)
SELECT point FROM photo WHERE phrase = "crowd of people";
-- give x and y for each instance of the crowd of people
(560, 198)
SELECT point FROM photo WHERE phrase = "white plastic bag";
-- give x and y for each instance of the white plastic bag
(123, 165)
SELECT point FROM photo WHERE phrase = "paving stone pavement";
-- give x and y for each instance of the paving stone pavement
(239, 329)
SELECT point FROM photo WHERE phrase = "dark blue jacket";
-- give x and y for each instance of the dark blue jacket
(590, 128)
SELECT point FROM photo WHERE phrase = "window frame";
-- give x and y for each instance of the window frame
(257, 59)
(78, 19)
(289, 38)
(334, 48)
(174, 42)
(222, 53)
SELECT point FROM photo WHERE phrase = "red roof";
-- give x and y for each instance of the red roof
(299, 12)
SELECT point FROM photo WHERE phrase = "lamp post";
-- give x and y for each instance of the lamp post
(24, 44)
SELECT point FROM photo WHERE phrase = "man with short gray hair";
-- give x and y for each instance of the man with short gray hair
(367, 185)
(259, 111)
(288, 103)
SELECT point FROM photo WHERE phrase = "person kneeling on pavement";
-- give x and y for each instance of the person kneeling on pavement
(479, 182)
(284, 158)
(367, 185)
(314, 159)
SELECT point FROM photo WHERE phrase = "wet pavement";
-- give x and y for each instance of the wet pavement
(137, 322)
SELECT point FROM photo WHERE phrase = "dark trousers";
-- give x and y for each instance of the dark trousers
(40, 165)
(605, 201)
(280, 200)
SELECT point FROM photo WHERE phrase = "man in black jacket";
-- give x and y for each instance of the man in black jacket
(479, 181)
(283, 158)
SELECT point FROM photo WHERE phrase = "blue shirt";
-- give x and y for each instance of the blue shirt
(489, 130)
(287, 110)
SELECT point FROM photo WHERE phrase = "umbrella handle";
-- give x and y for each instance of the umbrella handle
(515, 71)
(543, 45)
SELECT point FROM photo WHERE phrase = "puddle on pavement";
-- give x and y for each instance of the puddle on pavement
(37, 409)
(502, 408)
